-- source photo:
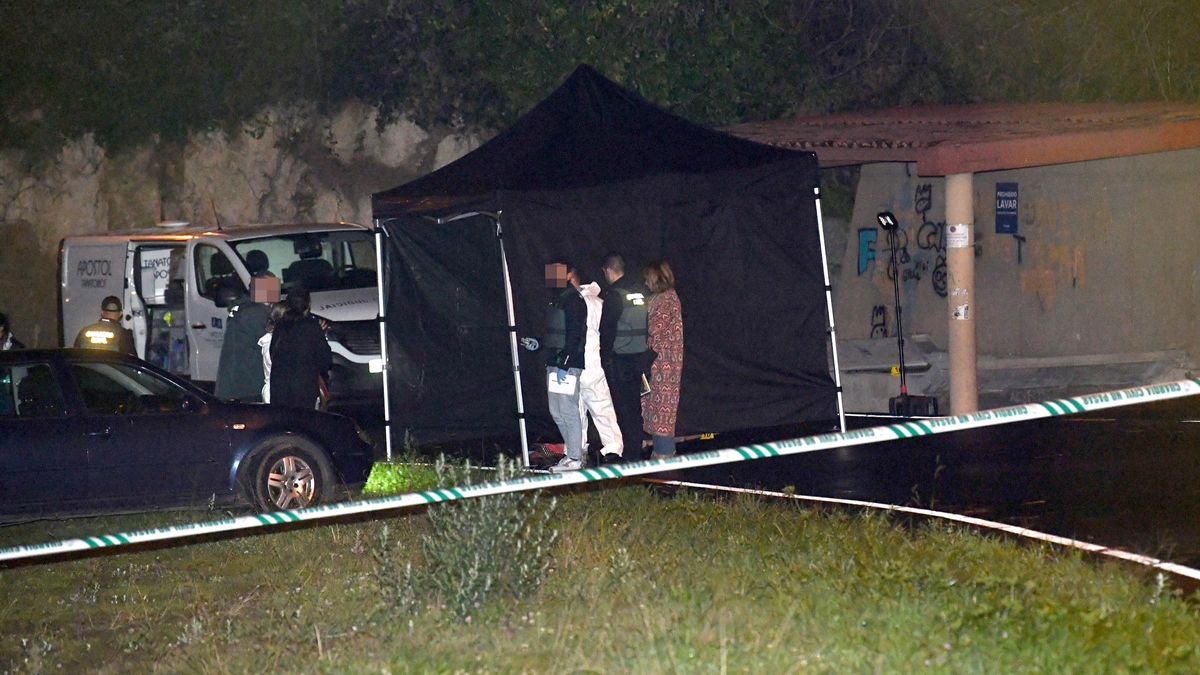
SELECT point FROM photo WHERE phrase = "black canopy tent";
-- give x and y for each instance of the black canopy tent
(594, 168)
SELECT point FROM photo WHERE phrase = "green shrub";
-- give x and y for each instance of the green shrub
(475, 549)
(393, 478)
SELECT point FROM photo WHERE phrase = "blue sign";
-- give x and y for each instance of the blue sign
(1006, 208)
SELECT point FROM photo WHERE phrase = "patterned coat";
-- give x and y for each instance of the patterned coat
(661, 405)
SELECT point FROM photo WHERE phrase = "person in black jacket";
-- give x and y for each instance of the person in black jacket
(300, 355)
(566, 329)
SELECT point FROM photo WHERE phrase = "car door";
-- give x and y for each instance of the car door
(155, 443)
(215, 271)
(91, 271)
(157, 302)
(43, 447)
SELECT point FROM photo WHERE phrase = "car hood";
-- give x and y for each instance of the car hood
(326, 427)
(358, 304)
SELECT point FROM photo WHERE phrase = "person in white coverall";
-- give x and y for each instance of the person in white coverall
(594, 396)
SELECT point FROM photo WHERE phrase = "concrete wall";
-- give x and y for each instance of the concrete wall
(288, 165)
(1106, 261)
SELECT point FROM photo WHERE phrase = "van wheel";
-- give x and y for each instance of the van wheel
(289, 472)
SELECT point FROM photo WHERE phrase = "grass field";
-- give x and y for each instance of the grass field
(638, 583)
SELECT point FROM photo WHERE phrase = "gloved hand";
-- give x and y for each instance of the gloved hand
(562, 375)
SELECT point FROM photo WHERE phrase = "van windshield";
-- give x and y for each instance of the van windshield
(320, 261)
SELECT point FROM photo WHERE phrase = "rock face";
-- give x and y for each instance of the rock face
(286, 165)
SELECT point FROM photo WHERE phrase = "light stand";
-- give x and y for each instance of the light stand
(903, 404)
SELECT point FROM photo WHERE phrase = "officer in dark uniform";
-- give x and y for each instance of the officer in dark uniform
(623, 350)
(107, 333)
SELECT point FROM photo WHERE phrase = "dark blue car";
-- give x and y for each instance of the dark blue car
(88, 431)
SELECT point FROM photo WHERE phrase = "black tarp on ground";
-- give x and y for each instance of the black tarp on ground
(594, 168)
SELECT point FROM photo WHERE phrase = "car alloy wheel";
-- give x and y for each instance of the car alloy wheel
(291, 483)
(288, 472)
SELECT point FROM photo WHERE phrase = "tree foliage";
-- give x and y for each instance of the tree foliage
(132, 70)
(1082, 50)
(713, 61)
(128, 70)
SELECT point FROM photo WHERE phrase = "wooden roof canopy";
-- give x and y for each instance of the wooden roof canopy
(945, 140)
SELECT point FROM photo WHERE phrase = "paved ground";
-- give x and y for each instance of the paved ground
(1128, 477)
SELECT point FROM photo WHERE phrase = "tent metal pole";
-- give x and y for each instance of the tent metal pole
(512, 345)
(837, 370)
(383, 352)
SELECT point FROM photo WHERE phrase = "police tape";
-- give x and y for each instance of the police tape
(909, 429)
(1016, 530)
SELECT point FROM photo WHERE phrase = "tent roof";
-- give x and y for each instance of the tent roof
(588, 132)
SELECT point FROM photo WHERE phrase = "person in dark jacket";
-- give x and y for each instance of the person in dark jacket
(623, 349)
(107, 333)
(300, 355)
(239, 371)
(566, 329)
(7, 341)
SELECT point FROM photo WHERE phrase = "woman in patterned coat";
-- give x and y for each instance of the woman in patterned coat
(665, 339)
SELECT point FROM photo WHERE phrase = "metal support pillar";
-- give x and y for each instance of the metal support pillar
(960, 292)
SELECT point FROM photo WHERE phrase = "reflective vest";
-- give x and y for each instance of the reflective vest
(100, 338)
(631, 326)
(556, 327)
(103, 334)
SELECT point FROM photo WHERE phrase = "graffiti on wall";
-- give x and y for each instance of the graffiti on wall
(910, 254)
(931, 236)
(879, 322)
(897, 253)
(866, 248)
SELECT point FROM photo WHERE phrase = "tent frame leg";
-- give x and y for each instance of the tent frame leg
(383, 352)
(837, 370)
(512, 345)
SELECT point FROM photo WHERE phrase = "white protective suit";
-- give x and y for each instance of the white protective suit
(594, 396)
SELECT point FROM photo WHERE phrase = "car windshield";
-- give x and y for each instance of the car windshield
(320, 261)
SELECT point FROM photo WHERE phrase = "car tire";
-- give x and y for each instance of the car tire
(289, 472)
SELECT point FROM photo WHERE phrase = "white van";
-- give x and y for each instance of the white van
(175, 282)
